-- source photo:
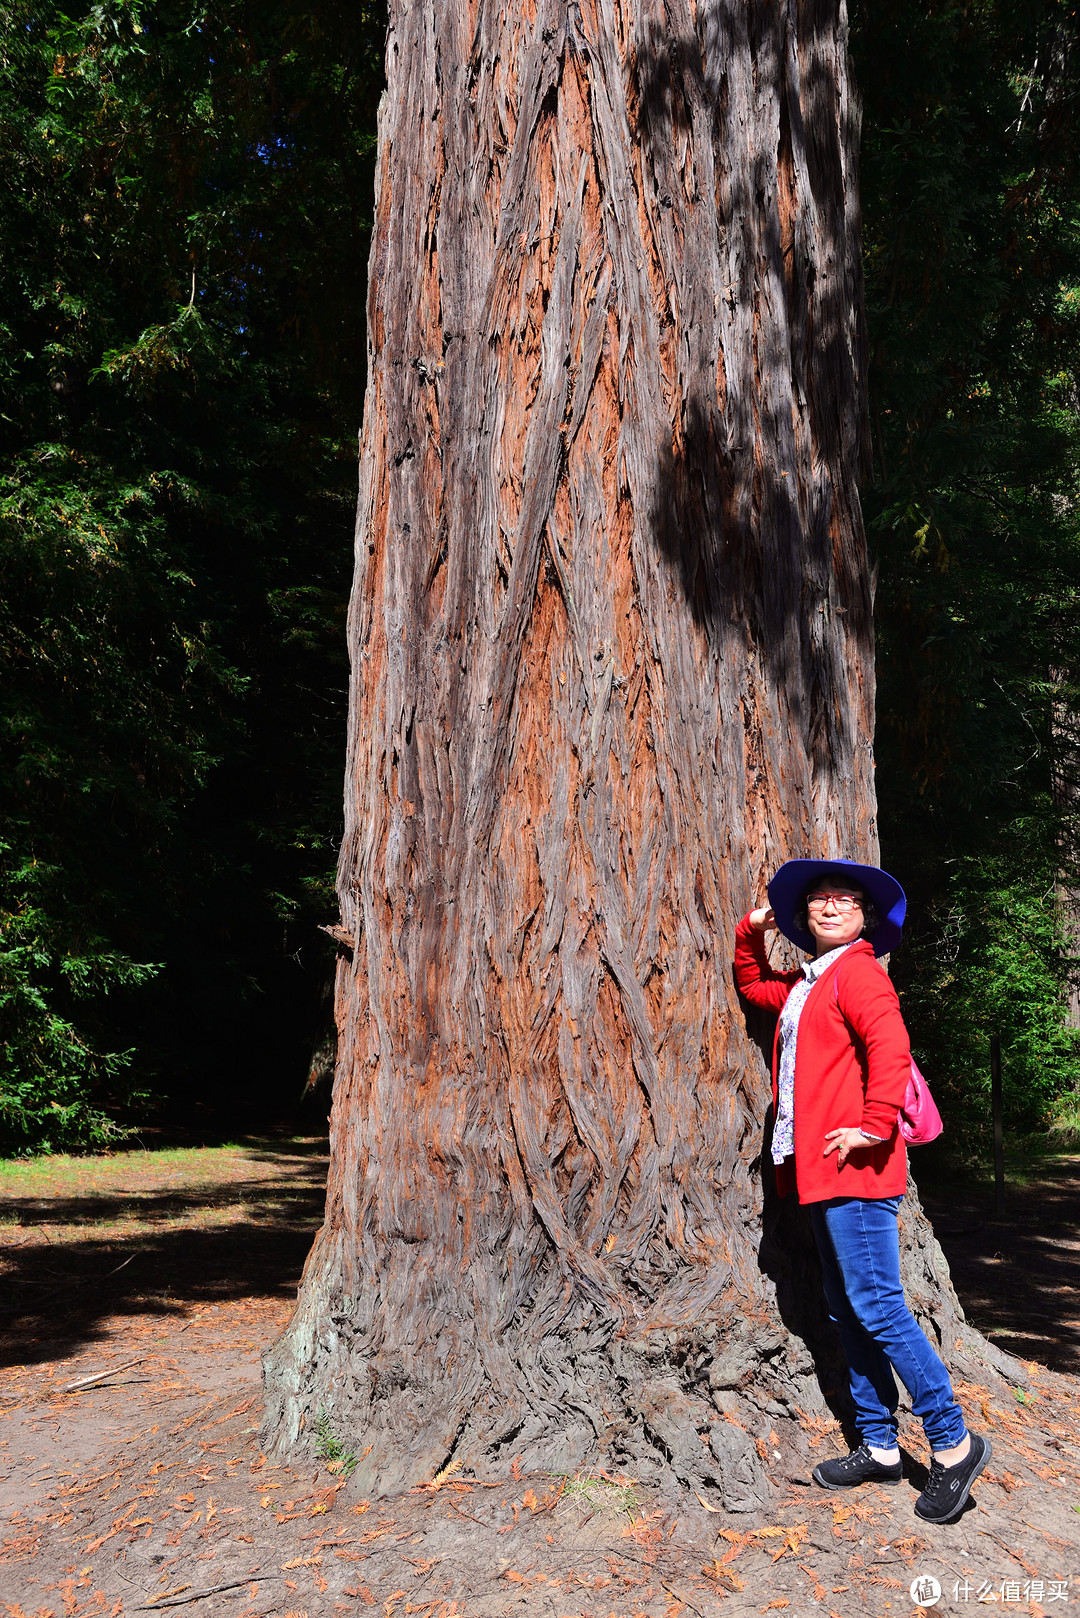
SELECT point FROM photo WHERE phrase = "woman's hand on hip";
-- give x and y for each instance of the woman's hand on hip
(763, 920)
(845, 1141)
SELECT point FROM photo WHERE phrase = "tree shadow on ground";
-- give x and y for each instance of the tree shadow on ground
(1016, 1274)
(245, 1238)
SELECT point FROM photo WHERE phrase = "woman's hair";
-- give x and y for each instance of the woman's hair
(871, 919)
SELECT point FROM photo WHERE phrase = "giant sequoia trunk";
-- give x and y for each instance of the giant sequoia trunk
(612, 661)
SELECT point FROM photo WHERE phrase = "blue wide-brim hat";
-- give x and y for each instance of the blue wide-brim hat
(884, 891)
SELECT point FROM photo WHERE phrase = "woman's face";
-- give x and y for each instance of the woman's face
(832, 919)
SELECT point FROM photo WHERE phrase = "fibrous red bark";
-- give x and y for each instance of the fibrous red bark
(612, 662)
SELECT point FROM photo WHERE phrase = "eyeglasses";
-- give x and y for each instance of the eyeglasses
(843, 903)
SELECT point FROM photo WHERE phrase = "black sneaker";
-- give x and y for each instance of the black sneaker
(858, 1467)
(949, 1486)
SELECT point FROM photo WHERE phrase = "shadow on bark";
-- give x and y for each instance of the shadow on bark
(754, 505)
(787, 1254)
(666, 80)
(691, 525)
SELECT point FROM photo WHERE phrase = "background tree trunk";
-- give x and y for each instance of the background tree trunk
(1065, 786)
(612, 661)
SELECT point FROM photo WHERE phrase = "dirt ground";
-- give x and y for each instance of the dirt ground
(1018, 1272)
(146, 1490)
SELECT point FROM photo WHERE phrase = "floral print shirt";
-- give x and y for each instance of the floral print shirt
(783, 1137)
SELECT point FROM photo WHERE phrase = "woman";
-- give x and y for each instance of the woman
(841, 1065)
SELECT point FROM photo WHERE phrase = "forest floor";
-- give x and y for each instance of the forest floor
(145, 1490)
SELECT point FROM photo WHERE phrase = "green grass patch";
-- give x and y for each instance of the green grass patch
(330, 1448)
(61, 1174)
(120, 1193)
(601, 1493)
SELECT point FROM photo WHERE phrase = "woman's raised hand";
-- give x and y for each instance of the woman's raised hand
(763, 919)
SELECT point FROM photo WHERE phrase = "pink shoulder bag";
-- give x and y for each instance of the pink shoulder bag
(919, 1120)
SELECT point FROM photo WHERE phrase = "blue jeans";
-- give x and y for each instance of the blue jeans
(858, 1241)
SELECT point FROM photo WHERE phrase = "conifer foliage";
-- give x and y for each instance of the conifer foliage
(183, 240)
(971, 210)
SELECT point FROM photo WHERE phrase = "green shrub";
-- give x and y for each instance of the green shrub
(53, 1082)
(985, 958)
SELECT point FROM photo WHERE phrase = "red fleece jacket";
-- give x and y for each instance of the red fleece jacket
(852, 1066)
